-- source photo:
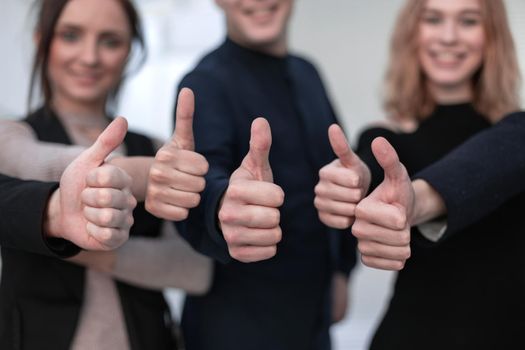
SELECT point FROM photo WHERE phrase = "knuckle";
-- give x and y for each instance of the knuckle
(277, 235)
(406, 253)
(318, 202)
(344, 222)
(156, 174)
(238, 254)
(401, 221)
(275, 217)
(129, 221)
(226, 215)
(231, 237)
(271, 252)
(165, 154)
(234, 191)
(153, 192)
(360, 210)
(103, 177)
(280, 196)
(107, 217)
(357, 229)
(323, 172)
(366, 260)
(405, 237)
(398, 265)
(104, 197)
(194, 200)
(132, 202)
(363, 247)
(201, 184)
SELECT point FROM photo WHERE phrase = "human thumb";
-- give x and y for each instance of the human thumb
(388, 159)
(106, 143)
(183, 134)
(256, 161)
(340, 146)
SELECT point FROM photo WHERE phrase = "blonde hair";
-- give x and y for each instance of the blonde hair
(495, 86)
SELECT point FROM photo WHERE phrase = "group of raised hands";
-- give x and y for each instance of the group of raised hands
(96, 196)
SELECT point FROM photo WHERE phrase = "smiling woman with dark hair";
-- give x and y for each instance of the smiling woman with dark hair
(95, 300)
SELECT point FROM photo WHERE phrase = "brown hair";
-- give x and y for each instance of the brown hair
(495, 86)
(47, 18)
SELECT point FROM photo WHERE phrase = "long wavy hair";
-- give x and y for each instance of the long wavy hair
(495, 86)
(49, 12)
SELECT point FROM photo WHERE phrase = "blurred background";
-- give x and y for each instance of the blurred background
(347, 39)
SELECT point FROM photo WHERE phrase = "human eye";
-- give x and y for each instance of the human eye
(112, 41)
(469, 21)
(432, 18)
(69, 35)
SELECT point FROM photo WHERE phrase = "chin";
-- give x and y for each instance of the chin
(264, 37)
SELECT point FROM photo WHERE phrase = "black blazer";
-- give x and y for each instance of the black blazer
(22, 207)
(41, 296)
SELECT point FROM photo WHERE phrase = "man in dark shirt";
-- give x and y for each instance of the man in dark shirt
(41, 218)
(281, 299)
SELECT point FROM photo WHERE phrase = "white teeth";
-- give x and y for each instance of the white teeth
(262, 12)
(446, 56)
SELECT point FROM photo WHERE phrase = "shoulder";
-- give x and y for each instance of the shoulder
(516, 119)
(390, 129)
(303, 65)
(213, 66)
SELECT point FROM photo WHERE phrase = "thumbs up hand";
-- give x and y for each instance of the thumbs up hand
(382, 224)
(176, 177)
(342, 183)
(249, 212)
(93, 206)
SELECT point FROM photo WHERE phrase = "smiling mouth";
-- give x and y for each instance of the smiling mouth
(447, 59)
(86, 79)
(261, 14)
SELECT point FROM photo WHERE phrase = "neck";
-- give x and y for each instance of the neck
(451, 94)
(278, 48)
(88, 111)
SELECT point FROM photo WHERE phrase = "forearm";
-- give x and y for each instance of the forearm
(428, 203)
(138, 168)
(165, 262)
(23, 156)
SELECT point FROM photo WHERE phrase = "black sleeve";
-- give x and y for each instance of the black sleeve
(22, 208)
(482, 174)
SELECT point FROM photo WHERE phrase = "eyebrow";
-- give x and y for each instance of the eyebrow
(66, 25)
(462, 12)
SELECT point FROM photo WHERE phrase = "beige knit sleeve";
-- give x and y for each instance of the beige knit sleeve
(22, 155)
(163, 262)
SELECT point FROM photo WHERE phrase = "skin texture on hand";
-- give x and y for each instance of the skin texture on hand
(93, 206)
(176, 177)
(249, 213)
(342, 183)
(382, 225)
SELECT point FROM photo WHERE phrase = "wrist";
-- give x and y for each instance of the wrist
(51, 227)
(428, 203)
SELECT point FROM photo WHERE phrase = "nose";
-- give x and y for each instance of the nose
(89, 54)
(449, 33)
